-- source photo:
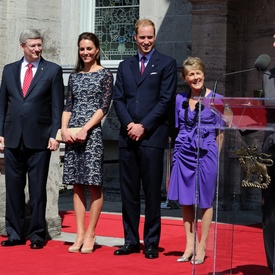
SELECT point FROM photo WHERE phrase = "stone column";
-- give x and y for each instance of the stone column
(53, 184)
(214, 36)
(52, 216)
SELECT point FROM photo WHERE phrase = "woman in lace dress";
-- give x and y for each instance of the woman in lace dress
(88, 100)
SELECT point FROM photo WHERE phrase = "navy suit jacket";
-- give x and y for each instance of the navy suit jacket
(146, 99)
(36, 117)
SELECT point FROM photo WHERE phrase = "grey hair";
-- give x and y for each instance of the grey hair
(30, 34)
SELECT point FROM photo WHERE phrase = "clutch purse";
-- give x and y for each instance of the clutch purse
(72, 130)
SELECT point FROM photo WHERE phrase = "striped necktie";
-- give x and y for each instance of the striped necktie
(27, 79)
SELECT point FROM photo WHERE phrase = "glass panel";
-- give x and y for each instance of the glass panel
(114, 26)
(242, 160)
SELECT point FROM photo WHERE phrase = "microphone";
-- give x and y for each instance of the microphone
(260, 64)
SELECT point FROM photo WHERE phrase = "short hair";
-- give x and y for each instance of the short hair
(92, 37)
(30, 34)
(143, 23)
(192, 63)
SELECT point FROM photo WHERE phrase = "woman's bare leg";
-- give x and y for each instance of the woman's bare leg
(96, 195)
(207, 215)
(188, 214)
(79, 200)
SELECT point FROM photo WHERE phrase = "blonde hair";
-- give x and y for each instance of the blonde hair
(143, 23)
(192, 63)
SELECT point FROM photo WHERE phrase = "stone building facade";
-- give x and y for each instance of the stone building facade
(227, 34)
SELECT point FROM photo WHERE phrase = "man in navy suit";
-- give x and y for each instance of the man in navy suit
(141, 101)
(29, 120)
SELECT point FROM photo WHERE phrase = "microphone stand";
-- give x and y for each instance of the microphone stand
(261, 64)
(232, 73)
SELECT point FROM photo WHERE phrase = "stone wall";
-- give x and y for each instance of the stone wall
(58, 21)
(229, 35)
(52, 18)
(173, 20)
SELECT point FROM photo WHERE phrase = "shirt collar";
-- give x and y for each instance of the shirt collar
(35, 63)
(148, 56)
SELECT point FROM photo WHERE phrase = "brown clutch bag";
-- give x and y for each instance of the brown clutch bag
(72, 130)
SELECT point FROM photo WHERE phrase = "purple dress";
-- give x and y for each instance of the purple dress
(182, 187)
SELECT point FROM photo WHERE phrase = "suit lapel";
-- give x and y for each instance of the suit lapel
(17, 73)
(135, 68)
(148, 70)
(150, 66)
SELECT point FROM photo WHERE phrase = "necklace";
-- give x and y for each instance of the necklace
(185, 105)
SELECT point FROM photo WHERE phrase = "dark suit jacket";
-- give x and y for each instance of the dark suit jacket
(269, 86)
(145, 99)
(36, 117)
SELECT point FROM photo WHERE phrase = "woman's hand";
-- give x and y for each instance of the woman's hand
(81, 135)
(67, 136)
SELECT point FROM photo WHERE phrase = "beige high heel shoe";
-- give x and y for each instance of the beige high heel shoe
(88, 250)
(74, 248)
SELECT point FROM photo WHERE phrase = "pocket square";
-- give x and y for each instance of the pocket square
(153, 73)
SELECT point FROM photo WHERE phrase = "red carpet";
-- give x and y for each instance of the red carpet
(248, 253)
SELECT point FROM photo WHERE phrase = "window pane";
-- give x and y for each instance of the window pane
(114, 26)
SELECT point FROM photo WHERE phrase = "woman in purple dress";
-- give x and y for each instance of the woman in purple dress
(188, 185)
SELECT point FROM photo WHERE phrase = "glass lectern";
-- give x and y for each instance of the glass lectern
(242, 173)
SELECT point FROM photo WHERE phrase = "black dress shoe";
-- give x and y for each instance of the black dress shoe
(151, 252)
(11, 242)
(37, 245)
(127, 249)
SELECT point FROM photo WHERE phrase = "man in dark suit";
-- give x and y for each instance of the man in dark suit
(31, 103)
(268, 195)
(141, 101)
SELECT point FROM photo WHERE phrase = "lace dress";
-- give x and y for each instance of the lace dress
(87, 92)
